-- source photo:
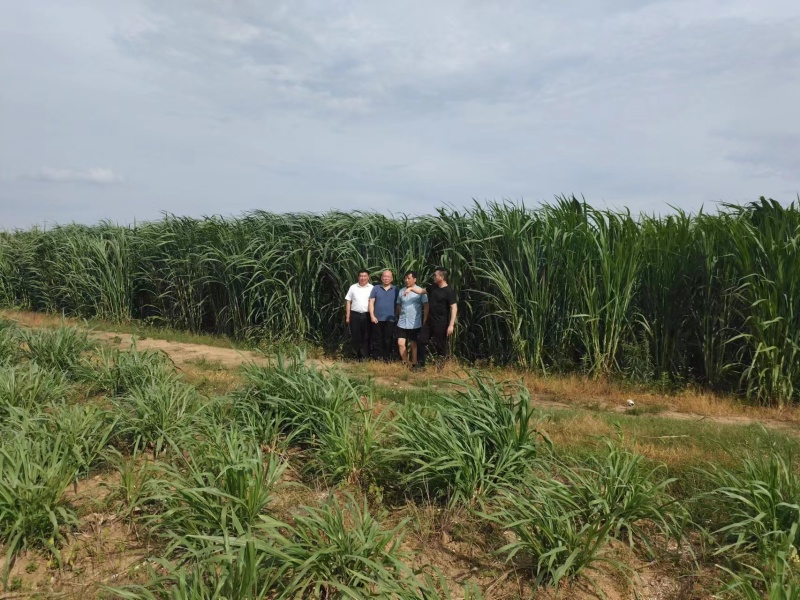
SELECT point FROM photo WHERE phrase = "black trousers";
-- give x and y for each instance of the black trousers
(383, 340)
(359, 333)
(433, 340)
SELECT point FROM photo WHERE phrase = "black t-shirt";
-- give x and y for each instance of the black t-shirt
(439, 300)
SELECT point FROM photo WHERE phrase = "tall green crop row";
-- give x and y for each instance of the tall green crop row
(767, 247)
(566, 287)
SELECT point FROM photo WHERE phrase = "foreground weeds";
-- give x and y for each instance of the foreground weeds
(303, 483)
(756, 529)
(460, 448)
(322, 412)
(34, 474)
(60, 350)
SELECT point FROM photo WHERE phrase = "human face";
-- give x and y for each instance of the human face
(363, 279)
(386, 278)
(437, 278)
(411, 281)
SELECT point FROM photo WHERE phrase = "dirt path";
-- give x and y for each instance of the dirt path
(189, 356)
(181, 353)
(185, 355)
(545, 400)
(784, 426)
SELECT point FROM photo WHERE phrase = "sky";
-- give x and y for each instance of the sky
(122, 111)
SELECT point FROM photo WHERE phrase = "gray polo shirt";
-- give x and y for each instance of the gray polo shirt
(384, 302)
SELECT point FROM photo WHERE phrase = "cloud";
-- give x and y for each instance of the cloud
(300, 105)
(95, 175)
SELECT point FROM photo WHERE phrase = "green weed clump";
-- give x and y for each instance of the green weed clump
(461, 448)
(263, 427)
(341, 550)
(29, 387)
(323, 412)
(86, 430)
(219, 486)
(157, 416)
(559, 521)
(548, 532)
(118, 372)
(34, 473)
(59, 350)
(10, 352)
(130, 493)
(336, 551)
(228, 571)
(299, 395)
(776, 579)
(616, 486)
(756, 505)
(755, 525)
(350, 445)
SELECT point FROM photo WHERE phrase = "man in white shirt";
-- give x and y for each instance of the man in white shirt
(357, 314)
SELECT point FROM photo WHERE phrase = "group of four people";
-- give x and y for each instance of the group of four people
(418, 318)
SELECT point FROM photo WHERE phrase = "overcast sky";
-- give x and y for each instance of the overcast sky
(122, 110)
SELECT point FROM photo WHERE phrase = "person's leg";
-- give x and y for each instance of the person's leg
(364, 352)
(438, 344)
(402, 348)
(422, 343)
(413, 354)
(376, 340)
(355, 333)
(358, 329)
(388, 340)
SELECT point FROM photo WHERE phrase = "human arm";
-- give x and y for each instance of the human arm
(372, 316)
(347, 312)
(425, 311)
(453, 312)
(418, 290)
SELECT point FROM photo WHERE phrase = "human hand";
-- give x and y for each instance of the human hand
(347, 319)
(449, 330)
(375, 320)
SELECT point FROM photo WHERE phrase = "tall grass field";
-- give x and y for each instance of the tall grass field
(706, 298)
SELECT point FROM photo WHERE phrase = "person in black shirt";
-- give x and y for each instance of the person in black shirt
(436, 331)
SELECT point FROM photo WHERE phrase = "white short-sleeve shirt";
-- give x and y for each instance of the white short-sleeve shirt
(359, 297)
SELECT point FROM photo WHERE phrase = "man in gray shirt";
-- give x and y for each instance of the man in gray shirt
(382, 302)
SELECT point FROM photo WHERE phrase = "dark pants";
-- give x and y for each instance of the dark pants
(359, 333)
(433, 340)
(383, 340)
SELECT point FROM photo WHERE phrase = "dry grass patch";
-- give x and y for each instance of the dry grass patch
(575, 428)
(212, 383)
(37, 320)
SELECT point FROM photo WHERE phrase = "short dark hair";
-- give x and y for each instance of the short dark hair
(412, 273)
(363, 271)
(443, 272)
